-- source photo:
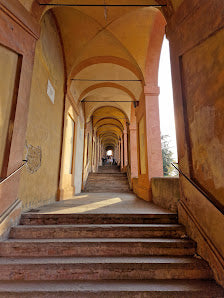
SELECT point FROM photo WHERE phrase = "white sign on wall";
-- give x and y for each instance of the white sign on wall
(50, 91)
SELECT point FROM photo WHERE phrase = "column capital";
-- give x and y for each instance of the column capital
(125, 131)
(133, 126)
(152, 90)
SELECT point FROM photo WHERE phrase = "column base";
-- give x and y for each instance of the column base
(142, 188)
(124, 169)
(66, 193)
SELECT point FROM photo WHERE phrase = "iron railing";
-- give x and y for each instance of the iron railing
(14, 172)
(212, 200)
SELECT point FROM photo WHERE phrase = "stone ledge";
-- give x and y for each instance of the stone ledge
(10, 218)
(166, 192)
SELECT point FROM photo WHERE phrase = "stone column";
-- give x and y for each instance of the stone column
(122, 153)
(133, 150)
(119, 152)
(154, 151)
(100, 153)
(125, 147)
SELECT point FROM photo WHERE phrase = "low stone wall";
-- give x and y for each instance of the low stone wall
(166, 192)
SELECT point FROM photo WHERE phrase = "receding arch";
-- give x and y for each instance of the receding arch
(107, 120)
(108, 59)
(154, 50)
(110, 124)
(123, 113)
(106, 84)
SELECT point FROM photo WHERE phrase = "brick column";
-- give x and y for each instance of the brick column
(125, 147)
(122, 153)
(154, 151)
(133, 150)
(119, 152)
(100, 153)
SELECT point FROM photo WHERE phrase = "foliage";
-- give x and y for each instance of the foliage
(167, 155)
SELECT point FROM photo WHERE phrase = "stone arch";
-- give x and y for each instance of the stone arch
(107, 59)
(154, 50)
(106, 84)
(123, 112)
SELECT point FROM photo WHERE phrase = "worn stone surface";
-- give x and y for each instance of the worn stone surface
(197, 68)
(166, 192)
(33, 157)
(115, 289)
(205, 108)
(130, 252)
(113, 181)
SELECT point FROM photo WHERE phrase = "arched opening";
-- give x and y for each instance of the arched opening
(166, 111)
(109, 152)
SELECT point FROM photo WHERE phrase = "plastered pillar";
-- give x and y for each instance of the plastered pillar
(119, 152)
(100, 153)
(125, 147)
(153, 138)
(133, 150)
(122, 153)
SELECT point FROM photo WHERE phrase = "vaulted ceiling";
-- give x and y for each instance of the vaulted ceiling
(106, 51)
(109, 123)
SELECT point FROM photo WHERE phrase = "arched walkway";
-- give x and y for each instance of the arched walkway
(79, 80)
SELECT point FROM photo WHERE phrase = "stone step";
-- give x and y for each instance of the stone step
(111, 175)
(103, 268)
(111, 190)
(106, 179)
(98, 247)
(103, 185)
(43, 219)
(112, 184)
(97, 231)
(107, 174)
(108, 182)
(112, 289)
(116, 189)
(114, 181)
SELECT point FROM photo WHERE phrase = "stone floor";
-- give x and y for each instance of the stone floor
(109, 203)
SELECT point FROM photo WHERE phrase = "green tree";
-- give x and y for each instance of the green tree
(167, 155)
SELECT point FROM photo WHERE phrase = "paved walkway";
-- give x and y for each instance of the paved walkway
(96, 203)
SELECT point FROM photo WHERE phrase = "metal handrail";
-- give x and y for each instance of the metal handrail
(13, 173)
(213, 201)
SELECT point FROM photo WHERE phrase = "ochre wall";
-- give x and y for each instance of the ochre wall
(8, 66)
(196, 41)
(142, 147)
(176, 3)
(79, 152)
(70, 183)
(203, 75)
(45, 119)
(27, 4)
(87, 165)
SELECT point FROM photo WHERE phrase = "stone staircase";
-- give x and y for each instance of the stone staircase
(102, 255)
(107, 179)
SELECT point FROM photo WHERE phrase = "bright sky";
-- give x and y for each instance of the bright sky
(167, 124)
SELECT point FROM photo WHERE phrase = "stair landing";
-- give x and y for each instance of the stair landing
(102, 203)
(102, 245)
